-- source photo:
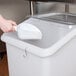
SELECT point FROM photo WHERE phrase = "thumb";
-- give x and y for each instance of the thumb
(14, 28)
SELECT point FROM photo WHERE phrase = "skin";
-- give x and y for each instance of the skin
(7, 25)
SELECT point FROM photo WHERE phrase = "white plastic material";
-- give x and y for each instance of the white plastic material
(28, 31)
(55, 36)
(53, 55)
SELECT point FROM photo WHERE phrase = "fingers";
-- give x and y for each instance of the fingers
(12, 22)
(13, 25)
(4, 29)
(7, 25)
(7, 30)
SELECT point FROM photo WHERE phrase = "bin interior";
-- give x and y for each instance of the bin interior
(51, 31)
(64, 18)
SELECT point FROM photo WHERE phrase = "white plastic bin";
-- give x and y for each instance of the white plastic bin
(53, 55)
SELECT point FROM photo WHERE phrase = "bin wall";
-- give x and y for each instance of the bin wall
(62, 63)
(22, 65)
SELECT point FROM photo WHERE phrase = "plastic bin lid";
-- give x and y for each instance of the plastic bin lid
(54, 37)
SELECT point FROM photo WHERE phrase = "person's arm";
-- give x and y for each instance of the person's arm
(6, 25)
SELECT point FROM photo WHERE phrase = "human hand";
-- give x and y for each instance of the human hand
(7, 25)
